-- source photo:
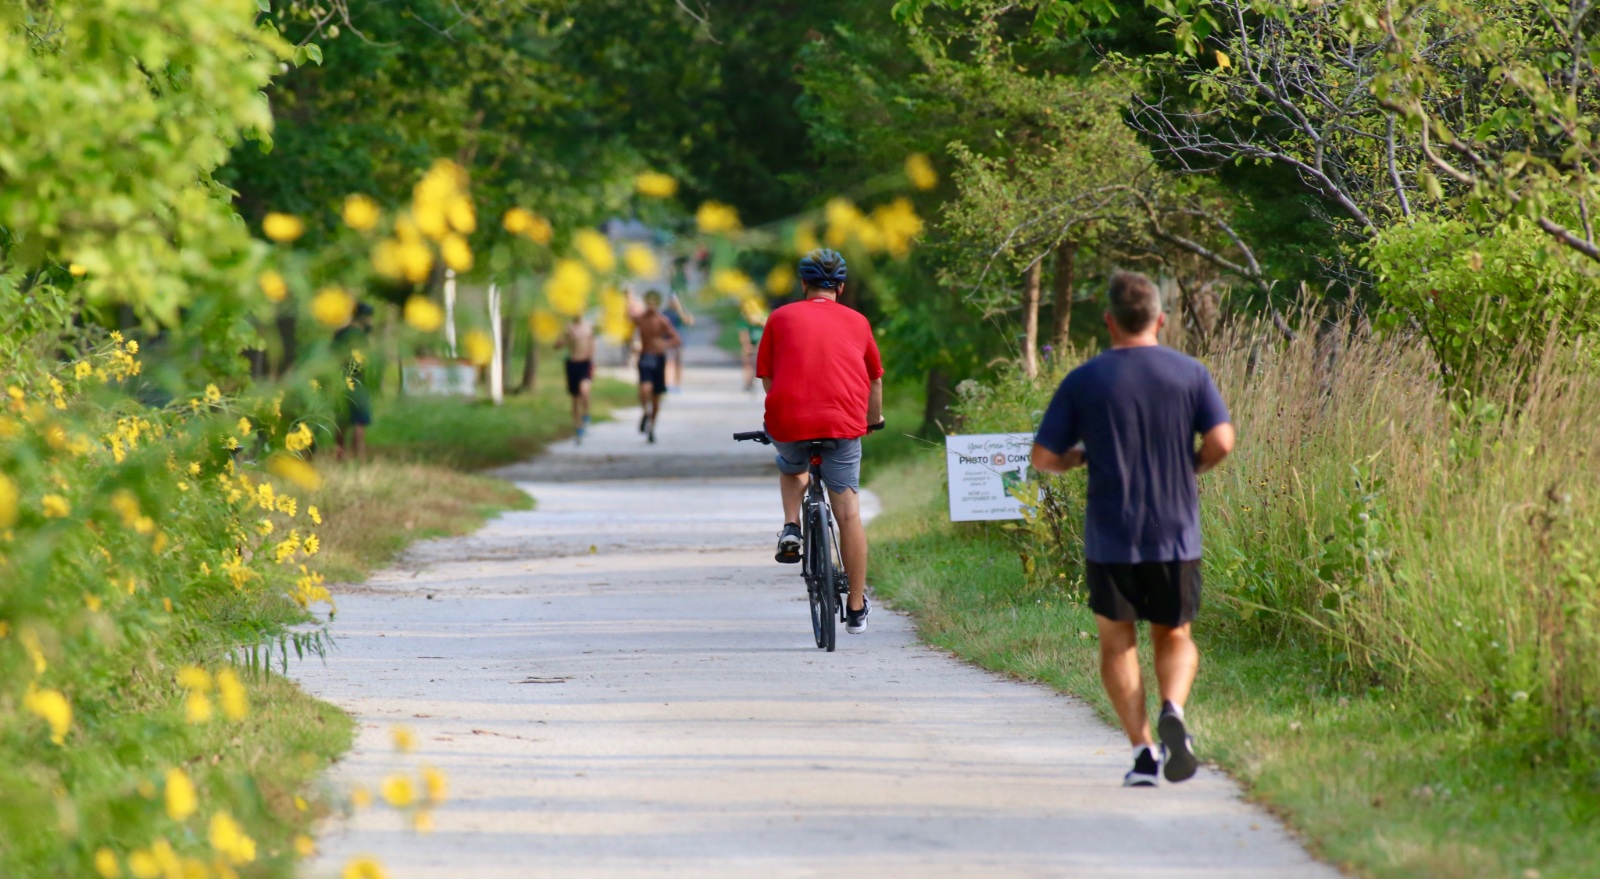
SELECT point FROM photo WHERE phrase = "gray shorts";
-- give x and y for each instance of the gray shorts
(841, 468)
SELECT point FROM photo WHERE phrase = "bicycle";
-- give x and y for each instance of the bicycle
(827, 585)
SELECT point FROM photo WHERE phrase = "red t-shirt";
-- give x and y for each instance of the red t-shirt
(822, 360)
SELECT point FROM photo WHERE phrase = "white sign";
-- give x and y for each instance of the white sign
(982, 470)
(428, 375)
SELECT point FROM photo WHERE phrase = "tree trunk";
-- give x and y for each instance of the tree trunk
(530, 367)
(1065, 282)
(289, 350)
(936, 411)
(1030, 319)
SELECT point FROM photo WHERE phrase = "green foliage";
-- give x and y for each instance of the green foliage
(1484, 297)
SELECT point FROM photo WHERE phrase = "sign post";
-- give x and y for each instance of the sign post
(982, 470)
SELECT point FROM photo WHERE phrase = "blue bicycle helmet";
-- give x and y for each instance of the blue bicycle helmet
(823, 269)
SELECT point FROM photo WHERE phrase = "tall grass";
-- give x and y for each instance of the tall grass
(1439, 543)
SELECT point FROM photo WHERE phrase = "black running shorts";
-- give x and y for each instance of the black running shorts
(1164, 593)
(578, 372)
(653, 371)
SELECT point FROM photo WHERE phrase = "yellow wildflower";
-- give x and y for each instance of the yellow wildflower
(517, 221)
(920, 172)
(655, 185)
(404, 741)
(273, 286)
(8, 502)
(333, 307)
(462, 217)
(360, 797)
(180, 796)
(364, 867)
(595, 248)
(212, 394)
(228, 839)
(282, 228)
(434, 782)
(361, 213)
(105, 863)
(143, 865)
(304, 846)
(781, 280)
(457, 255)
(231, 692)
(716, 218)
(55, 506)
(424, 314)
(311, 545)
(398, 791)
(567, 291)
(299, 439)
(53, 708)
(196, 708)
(76, 270)
(479, 347)
(315, 514)
(546, 326)
(416, 261)
(422, 821)
(731, 281)
(641, 261)
(541, 232)
(264, 527)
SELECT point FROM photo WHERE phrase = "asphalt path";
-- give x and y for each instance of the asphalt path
(621, 683)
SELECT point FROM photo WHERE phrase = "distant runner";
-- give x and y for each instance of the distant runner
(656, 337)
(752, 323)
(681, 317)
(355, 411)
(578, 339)
(1131, 416)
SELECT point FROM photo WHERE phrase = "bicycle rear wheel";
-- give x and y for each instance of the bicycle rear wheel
(820, 580)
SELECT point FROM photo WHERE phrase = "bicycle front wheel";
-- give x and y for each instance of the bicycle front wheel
(819, 583)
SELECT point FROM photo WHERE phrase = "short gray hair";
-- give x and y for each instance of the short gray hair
(1135, 303)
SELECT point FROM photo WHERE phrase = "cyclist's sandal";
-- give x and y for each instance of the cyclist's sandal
(789, 544)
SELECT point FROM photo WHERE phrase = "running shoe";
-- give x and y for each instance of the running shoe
(644, 422)
(652, 433)
(855, 621)
(1146, 769)
(1177, 747)
(578, 437)
(789, 543)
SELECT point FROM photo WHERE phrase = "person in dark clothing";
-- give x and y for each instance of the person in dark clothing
(1131, 415)
(355, 411)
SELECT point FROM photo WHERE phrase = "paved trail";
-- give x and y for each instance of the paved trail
(622, 684)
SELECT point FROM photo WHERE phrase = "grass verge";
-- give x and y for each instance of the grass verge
(1378, 786)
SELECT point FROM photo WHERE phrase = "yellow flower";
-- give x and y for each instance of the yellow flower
(422, 313)
(315, 514)
(8, 502)
(920, 172)
(311, 545)
(781, 280)
(614, 320)
(304, 846)
(541, 232)
(655, 185)
(462, 217)
(434, 782)
(595, 248)
(404, 741)
(195, 679)
(361, 213)
(143, 865)
(76, 270)
(181, 799)
(360, 797)
(479, 347)
(231, 691)
(398, 791)
(197, 708)
(518, 221)
(898, 225)
(299, 439)
(55, 506)
(364, 867)
(567, 291)
(1223, 61)
(295, 470)
(422, 821)
(640, 260)
(272, 285)
(105, 863)
(716, 218)
(731, 281)
(416, 261)
(457, 255)
(546, 327)
(228, 839)
(282, 228)
(333, 307)
(53, 708)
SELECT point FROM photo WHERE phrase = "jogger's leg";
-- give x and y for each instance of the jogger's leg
(1119, 673)
(1177, 661)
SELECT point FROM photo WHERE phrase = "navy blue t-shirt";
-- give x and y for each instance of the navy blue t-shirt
(1137, 412)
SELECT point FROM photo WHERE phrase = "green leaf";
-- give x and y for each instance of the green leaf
(314, 52)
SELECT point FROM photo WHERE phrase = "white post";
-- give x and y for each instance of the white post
(450, 311)
(497, 373)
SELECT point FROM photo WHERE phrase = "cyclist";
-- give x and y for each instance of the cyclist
(656, 337)
(824, 380)
(1131, 415)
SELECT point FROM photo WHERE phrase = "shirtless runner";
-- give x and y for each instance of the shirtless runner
(656, 338)
(578, 339)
